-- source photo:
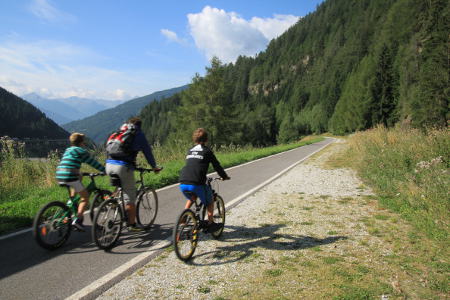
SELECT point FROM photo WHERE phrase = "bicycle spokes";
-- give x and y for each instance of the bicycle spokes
(218, 215)
(186, 235)
(50, 228)
(146, 208)
(107, 224)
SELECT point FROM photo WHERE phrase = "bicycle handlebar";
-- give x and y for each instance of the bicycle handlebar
(92, 174)
(210, 179)
(146, 170)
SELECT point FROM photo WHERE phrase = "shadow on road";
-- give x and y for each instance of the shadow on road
(131, 242)
(245, 240)
(22, 252)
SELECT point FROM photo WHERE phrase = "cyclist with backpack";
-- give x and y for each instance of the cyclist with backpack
(122, 148)
(193, 175)
(68, 173)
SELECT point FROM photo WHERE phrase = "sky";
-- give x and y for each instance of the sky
(121, 49)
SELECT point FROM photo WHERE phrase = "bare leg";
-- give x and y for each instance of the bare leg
(84, 200)
(72, 192)
(210, 209)
(190, 202)
(131, 211)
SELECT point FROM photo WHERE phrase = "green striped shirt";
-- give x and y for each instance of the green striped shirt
(69, 166)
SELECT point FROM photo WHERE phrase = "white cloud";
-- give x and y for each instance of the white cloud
(55, 69)
(227, 35)
(120, 94)
(35, 55)
(172, 36)
(273, 27)
(45, 11)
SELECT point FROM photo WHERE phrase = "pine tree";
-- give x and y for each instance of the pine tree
(383, 90)
(431, 108)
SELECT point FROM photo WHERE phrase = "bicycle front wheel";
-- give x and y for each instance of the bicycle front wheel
(185, 235)
(218, 215)
(107, 224)
(100, 196)
(147, 207)
(52, 225)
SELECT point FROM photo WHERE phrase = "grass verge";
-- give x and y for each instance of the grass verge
(409, 170)
(26, 185)
(382, 256)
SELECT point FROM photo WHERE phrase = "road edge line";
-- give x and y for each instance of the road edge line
(101, 285)
(23, 231)
(104, 283)
(236, 200)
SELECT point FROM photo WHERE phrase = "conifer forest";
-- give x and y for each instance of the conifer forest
(348, 66)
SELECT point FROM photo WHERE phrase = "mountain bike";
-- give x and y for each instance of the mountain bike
(191, 222)
(111, 214)
(53, 222)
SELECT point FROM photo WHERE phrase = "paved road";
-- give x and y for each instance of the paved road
(29, 272)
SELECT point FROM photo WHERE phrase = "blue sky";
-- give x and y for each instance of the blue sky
(120, 49)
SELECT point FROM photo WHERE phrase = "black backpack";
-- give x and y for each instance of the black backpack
(119, 143)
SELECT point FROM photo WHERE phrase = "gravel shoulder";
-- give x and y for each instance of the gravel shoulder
(286, 241)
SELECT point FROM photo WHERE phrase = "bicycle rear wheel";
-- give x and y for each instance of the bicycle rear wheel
(52, 225)
(100, 196)
(107, 224)
(185, 235)
(147, 207)
(218, 215)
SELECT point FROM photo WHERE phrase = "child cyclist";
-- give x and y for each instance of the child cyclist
(193, 175)
(68, 173)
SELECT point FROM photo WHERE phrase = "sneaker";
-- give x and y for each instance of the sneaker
(135, 228)
(203, 224)
(213, 227)
(78, 224)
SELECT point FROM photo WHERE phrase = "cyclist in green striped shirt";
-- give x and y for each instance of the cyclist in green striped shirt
(68, 173)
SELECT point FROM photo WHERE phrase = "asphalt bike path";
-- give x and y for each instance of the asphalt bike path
(79, 269)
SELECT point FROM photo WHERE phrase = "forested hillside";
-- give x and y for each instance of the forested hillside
(20, 119)
(100, 125)
(348, 66)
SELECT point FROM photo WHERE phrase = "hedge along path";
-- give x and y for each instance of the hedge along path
(313, 233)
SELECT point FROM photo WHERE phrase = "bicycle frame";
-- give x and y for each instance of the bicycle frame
(52, 224)
(141, 186)
(193, 220)
(73, 201)
(140, 182)
(121, 202)
(199, 204)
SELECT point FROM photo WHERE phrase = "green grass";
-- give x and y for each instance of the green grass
(395, 259)
(273, 272)
(409, 170)
(27, 185)
(204, 289)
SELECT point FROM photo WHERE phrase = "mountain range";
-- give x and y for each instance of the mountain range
(98, 126)
(20, 119)
(65, 110)
(350, 65)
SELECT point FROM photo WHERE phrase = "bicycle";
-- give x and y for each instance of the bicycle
(111, 214)
(53, 222)
(191, 222)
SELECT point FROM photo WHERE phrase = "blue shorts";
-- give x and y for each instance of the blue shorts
(202, 191)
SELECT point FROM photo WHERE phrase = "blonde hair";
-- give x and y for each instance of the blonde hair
(76, 139)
